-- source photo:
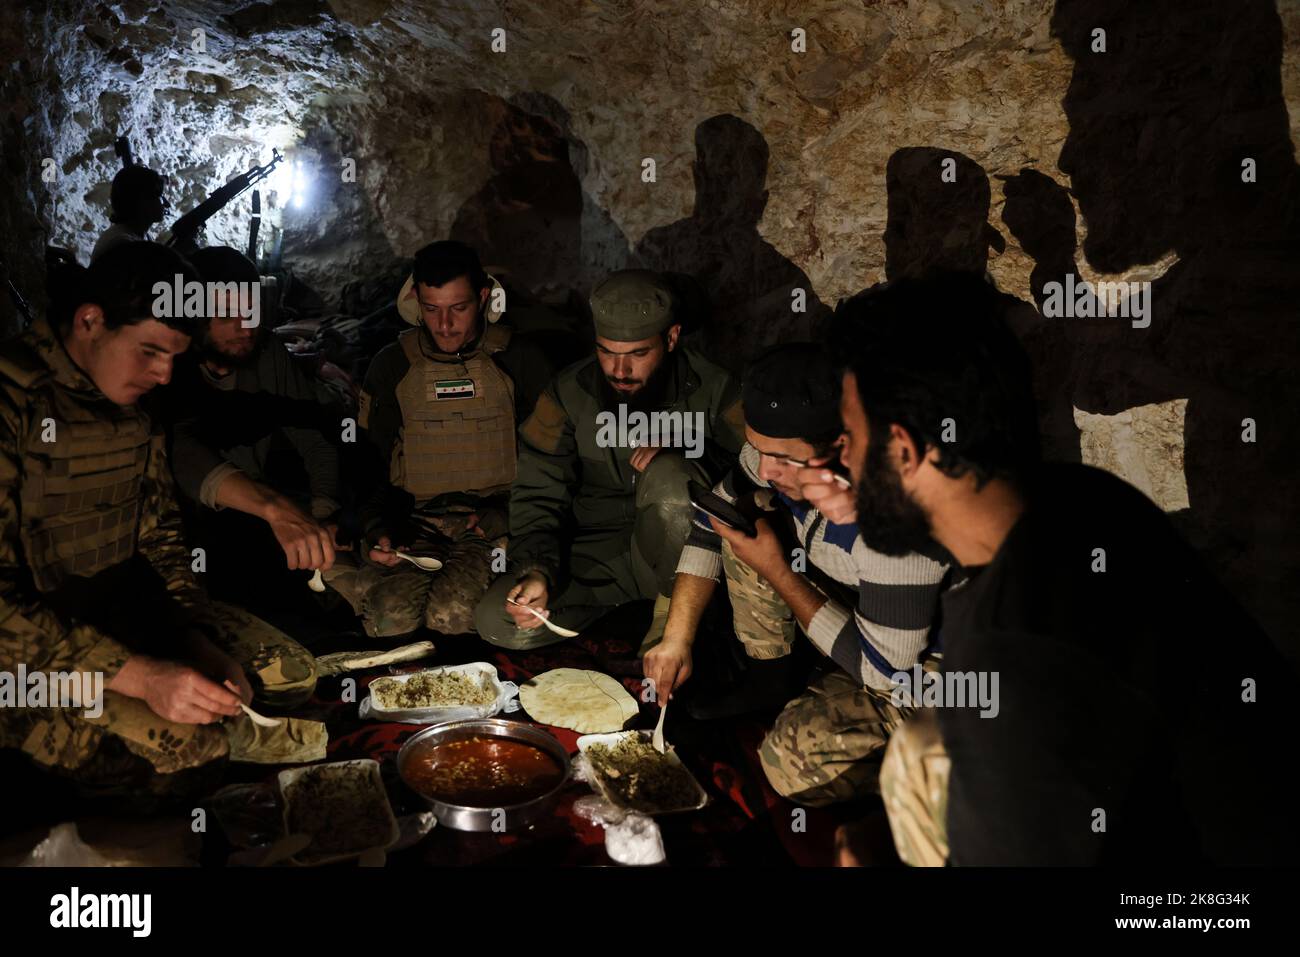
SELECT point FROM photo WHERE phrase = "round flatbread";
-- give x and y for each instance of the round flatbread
(584, 701)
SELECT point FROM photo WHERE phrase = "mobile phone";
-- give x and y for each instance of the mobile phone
(718, 507)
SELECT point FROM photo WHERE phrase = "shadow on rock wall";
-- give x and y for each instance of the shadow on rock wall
(938, 222)
(532, 216)
(1179, 141)
(750, 286)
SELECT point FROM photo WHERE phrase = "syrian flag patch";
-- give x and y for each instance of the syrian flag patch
(454, 389)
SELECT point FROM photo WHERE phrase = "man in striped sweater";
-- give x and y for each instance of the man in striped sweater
(872, 615)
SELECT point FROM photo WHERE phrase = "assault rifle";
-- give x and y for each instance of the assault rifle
(185, 230)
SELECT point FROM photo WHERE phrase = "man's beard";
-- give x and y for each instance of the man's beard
(210, 353)
(647, 398)
(888, 521)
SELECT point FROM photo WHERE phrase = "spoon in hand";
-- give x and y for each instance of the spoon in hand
(658, 739)
(421, 562)
(564, 632)
(253, 715)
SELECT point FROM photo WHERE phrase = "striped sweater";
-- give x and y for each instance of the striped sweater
(892, 627)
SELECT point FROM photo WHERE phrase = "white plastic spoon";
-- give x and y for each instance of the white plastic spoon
(253, 715)
(565, 632)
(422, 563)
(261, 719)
(658, 739)
(316, 583)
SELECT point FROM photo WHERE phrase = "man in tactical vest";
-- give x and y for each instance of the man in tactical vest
(599, 512)
(440, 407)
(95, 579)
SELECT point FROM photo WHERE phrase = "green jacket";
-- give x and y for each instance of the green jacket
(567, 480)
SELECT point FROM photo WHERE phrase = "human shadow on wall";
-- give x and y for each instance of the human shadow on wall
(533, 216)
(537, 229)
(937, 214)
(750, 286)
(937, 221)
(1162, 125)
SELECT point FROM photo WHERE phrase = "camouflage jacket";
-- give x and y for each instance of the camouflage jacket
(33, 632)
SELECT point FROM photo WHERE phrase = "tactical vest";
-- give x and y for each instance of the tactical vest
(81, 492)
(458, 420)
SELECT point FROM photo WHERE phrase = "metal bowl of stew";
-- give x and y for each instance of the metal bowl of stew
(485, 774)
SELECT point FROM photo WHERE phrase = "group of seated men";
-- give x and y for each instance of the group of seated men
(1022, 659)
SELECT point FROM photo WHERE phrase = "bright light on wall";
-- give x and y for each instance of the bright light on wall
(291, 182)
(301, 184)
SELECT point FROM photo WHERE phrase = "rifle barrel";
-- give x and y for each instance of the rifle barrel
(189, 224)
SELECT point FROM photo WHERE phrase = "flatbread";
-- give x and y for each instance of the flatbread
(585, 701)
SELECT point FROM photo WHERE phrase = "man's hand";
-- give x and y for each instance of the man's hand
(668, 665)
(332, 528)
(531, 591)
(382, 552)
(180, 693)
(763, 552)
(208, 658)
(307, 544)
(643, 456)
(832, 498)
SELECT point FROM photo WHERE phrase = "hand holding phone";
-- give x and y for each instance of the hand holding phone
(718, 507)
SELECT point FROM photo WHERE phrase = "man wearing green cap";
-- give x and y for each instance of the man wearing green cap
(440, 408)
(599, 510)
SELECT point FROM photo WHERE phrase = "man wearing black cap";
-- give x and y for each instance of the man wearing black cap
(138, 203)
(599, 510)
(871, 614)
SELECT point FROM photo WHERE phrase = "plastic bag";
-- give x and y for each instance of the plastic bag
(65, 848)
(506, 701)
(630, 837)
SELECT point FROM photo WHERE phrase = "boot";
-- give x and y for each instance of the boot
(768, 684)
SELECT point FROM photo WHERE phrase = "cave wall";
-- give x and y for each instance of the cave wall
(413, 92)
(772, 167)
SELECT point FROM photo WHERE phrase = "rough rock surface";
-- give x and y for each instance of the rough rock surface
(413, 92)
(774, 170)
(1144, 445)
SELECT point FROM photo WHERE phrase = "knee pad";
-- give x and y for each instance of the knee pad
(663, 514)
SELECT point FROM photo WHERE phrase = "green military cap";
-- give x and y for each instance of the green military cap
(631, 304)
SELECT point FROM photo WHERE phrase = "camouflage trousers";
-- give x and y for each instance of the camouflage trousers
(763, 621)
(281, 672)
(398, 600)
(914, 785)
(826, 745)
